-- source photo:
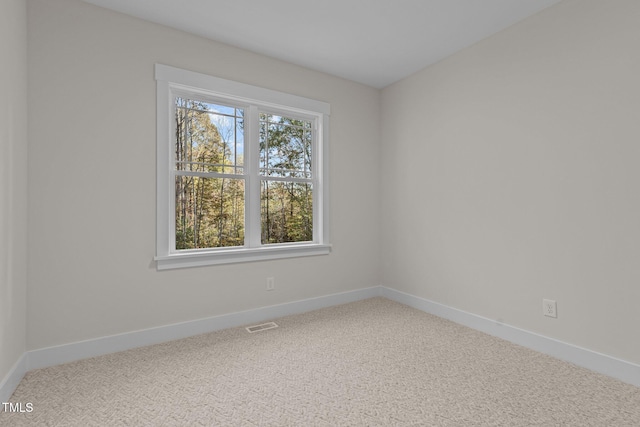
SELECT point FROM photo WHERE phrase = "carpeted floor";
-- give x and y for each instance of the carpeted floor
(369, 363)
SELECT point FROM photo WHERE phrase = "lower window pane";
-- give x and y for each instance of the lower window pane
(286, 212)
(209, 212)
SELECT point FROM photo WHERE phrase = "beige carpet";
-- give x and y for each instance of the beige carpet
(369, 363)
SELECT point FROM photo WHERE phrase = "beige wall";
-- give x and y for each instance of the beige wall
(509, 174)
(92, 179)
(512, 174)
(13, 182)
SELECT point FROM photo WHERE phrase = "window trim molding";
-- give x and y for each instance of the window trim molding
(169, 79)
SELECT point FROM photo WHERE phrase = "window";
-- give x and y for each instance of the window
(241, 172)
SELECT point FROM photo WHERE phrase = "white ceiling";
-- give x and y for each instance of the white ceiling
(375, 42)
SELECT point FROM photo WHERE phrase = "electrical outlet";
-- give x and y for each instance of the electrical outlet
(271, 283)
(549, 308)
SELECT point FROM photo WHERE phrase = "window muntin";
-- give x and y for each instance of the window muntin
(245, 176)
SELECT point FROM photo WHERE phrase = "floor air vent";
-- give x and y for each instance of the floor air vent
(262, 327)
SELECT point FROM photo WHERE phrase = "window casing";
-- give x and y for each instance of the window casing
(241, 172)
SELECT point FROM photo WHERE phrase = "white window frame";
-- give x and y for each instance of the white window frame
(173, 81)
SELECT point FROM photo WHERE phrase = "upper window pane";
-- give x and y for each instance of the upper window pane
(285, 146)
(209, 137)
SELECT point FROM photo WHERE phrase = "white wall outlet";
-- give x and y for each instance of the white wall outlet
(271, 283)
(549, 308)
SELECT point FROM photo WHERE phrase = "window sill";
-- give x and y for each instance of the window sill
(237, 255)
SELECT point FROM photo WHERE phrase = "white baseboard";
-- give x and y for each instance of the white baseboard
(65, 353)
(35, 359)
(598, 362)
(110, 344)
(13, 378)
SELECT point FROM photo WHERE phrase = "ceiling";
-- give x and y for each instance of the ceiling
(374, 42)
